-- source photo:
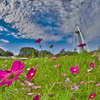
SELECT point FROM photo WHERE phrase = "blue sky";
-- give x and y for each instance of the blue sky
(24, 21)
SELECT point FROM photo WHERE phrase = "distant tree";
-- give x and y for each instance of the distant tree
(46, 53)
(2, 52)
(9, 53)
(63, 53)
(28, 52)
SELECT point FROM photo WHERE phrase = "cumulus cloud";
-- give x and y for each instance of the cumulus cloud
(4, 41)
(70, 40)
(51, 20)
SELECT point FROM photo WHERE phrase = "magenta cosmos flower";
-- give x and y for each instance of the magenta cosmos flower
(31, 73)
(51, 46)
(63, 49)
(74, 69)
(92, 96)
(81, 45)
(38, 40)
(36, 97)
(92, 65)
(8, 76)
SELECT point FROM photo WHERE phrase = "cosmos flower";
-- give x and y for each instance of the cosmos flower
(27, 83)
(74, 87)
(92, 65)
(81, 45)
(8, 76)
(31, 73)
(51, 46)
(92, 96)
(94, 55)
(38, 40)
(54, 59)
(63, 49)
(36, 97)
(74, 69)
(56, 65)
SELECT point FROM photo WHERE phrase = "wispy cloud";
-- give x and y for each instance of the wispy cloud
(51, 20)
(4, 41)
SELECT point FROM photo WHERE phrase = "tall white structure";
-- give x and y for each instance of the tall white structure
(79, 38)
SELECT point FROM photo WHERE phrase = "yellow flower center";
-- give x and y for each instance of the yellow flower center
(92, 96)
(32, 74)
(74, 69)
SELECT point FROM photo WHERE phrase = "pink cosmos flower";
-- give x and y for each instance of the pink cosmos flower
(38, 40)
(56, 65)
(36, 97)
(27, 83)
(51, 46)
(11, 75)
(31, 73)
(92, 96)
(81, 45)
(64, 74)
(36, 87)
(54, 59)
(74, 87)
(63, 49)
(30, 93)
(94, 55)
(92, 65)
(74, 69)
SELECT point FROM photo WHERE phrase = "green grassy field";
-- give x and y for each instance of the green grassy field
(55, 83)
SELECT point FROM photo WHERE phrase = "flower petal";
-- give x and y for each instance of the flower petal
(31, 73)
(4, 82)
(4, 72)
(15, 66)
(10, 82)
(16, 77)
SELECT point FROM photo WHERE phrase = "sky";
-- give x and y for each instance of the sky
(24, 21)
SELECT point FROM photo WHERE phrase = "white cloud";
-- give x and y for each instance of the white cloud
(25, 15)
(70, 40)
(4, 41)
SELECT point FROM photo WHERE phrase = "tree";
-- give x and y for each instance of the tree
(2, 52)
(28, 52)
(9, 53)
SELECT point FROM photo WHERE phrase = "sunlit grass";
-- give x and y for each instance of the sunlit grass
(53, 81)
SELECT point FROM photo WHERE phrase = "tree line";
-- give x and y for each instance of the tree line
(31, 52)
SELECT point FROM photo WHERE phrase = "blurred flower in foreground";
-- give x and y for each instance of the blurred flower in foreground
(30, 93)
(81, 45)
(38, 40)
(92, 65)
(92, 96)
(94, 55)
(31, 73)
(64, 74)
(51, 46)
(54, 59)
(63, 49)
(56, 65)
(74, 69)
(36, 97)
(8, 76)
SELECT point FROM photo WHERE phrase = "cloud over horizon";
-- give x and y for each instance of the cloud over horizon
(51, 20)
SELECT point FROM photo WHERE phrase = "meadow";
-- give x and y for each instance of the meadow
(54, 78)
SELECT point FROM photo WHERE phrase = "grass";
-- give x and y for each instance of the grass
(53, 84)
